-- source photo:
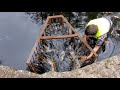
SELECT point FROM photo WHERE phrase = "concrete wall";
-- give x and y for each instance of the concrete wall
(108, 68)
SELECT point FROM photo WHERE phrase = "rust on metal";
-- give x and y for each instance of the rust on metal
(59, 37)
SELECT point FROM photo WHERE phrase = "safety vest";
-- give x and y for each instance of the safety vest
(103, 26)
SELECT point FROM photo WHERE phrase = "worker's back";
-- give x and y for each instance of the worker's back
(103, 25)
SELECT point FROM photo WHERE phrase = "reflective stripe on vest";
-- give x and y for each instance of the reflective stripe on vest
(103, 26)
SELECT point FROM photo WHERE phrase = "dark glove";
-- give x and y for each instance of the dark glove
(86, 62)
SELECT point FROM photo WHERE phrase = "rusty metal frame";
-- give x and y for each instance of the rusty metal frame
(40, 37)
(59, 37)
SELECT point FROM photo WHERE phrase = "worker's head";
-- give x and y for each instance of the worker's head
(91, 30)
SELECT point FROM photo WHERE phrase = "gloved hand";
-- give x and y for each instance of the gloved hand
(86, 62)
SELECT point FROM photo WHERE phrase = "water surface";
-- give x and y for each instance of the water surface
(17, 37)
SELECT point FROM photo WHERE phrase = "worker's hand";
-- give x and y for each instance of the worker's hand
(83, 58)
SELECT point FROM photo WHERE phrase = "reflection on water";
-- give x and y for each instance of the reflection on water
(17, 36)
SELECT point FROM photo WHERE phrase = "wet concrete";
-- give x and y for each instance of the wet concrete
(109, 68)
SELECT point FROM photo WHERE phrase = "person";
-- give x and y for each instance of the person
(98, 29)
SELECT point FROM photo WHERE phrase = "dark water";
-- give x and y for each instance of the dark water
(61, 52)
(17, 37)
(116, 50)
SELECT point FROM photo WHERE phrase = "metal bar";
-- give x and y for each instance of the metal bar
(56, 16)
(59, 37)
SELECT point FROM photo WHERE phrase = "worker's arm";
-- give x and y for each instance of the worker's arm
(84, 37)
(99, 43)
(96, 48)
